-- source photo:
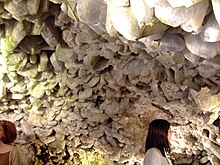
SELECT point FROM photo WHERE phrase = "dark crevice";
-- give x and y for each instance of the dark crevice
(162, 109)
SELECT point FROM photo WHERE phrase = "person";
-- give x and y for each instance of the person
(9, 154)
(157, 143)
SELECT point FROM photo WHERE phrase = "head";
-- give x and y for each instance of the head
(8, 132)
(158, 136)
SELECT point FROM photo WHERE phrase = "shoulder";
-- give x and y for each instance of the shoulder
(14, 151)
(153, 151)
(152, 157)
(14, 156)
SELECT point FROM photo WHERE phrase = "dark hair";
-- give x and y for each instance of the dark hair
(10, 132)
(157, 136)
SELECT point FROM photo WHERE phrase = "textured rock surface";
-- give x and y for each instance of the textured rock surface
(82, 79)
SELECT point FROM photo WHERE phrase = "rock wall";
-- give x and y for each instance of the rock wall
(82, 79)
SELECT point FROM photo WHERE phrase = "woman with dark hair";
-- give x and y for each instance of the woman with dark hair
(157, 143)
(9, 154)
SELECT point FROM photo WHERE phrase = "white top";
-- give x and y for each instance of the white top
(154, 157)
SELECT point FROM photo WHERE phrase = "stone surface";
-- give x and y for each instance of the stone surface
(82, 79)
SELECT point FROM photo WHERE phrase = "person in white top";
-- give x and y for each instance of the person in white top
(157, 143)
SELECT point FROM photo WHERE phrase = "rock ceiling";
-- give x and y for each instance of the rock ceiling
(82, 79)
